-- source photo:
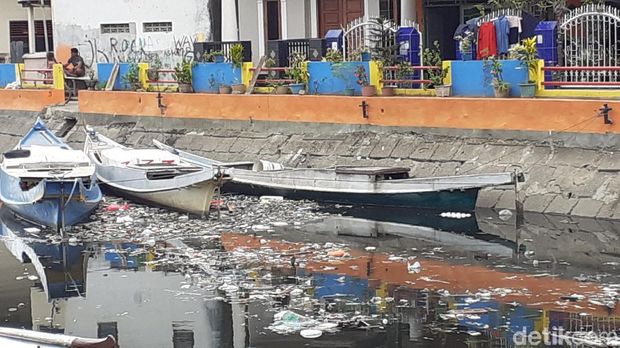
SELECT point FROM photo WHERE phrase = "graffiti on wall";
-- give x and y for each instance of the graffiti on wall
(136, 50)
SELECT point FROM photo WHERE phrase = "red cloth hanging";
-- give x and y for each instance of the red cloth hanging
(487, 41)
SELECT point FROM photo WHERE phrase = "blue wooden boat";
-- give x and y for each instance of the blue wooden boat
(379, 186)
(46, 182)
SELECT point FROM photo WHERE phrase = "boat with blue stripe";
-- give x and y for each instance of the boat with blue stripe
(46, 182)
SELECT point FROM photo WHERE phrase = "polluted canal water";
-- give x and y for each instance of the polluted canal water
(279, 273)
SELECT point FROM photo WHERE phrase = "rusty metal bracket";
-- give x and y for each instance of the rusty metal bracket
(364, 107)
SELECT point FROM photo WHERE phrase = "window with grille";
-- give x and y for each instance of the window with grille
(157, 27)
(115, 28)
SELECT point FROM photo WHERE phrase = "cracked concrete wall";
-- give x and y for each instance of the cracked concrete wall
(559, 180)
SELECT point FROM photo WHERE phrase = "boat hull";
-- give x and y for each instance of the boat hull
(456, 200)
(194, 199)
(55, 203)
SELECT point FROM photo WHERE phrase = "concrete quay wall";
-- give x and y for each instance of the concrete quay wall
(577, 181)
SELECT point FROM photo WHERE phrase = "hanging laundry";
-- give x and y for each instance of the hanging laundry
(487, 40)
(514, 35)
(501, 31)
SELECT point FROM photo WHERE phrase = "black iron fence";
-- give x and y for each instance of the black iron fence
(280, 50)
(200, 48)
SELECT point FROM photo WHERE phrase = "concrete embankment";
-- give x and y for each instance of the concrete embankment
(564, 174)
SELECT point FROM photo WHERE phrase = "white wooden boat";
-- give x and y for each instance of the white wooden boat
(46, 182)
(19, 338)
(353, 185)
(153, 176)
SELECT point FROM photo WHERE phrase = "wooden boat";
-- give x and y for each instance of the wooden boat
(353, 185)
(153, 176)
(46, 182)
(19, 338)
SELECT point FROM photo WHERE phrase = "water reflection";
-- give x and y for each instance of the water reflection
(477, 285)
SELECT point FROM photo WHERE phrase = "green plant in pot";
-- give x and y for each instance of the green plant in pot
(152, 73)
(183, 75)
(527, 53)
(236, 58)
(465, 47)
(131, 79)
(368, 90)
(501, 88)
(432, 57)
(297, 72)
(333, 56)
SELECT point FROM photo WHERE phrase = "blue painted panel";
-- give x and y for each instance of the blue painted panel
(104, 70)
(7, 74)
(208, 77)
(468, 78)
(330, 78)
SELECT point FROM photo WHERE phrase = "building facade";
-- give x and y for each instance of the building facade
(262, 20)
(131, 31)
(14, 29)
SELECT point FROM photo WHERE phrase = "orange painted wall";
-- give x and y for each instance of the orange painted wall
(30, 99)
(469, 113)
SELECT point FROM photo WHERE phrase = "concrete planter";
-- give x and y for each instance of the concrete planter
(528, 90)
(501, 93)
(185, 88)
(238, 88)
(369, 91)
(225, 90)
(282, 90)
(443, 91)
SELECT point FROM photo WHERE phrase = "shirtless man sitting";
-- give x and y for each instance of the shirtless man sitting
(75, 65)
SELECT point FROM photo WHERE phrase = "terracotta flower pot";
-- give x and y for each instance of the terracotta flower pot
(369, 91)
(225, 90)
(388, 91)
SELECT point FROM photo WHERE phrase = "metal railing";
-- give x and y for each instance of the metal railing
(200, 48)
(46, 73)
(272, 75)
(280, 50)
(582, 76)
(164, 81)
(392, 75)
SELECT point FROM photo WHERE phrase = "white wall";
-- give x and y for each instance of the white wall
(81, 28)
(248, 25)
(11, 11)
(296, 18)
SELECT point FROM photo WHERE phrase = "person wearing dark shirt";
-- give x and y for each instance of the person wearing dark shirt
(75, 65)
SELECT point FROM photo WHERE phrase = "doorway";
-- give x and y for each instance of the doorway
(336, 13)
(272, 20)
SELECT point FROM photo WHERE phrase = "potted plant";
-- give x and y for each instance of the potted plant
(465, 47)
(501, 88)
(132, 78)
(432, 57)
(183, 75)
(365, 55)
(92, 82)
(527, 53)
(362, 80)
(236, 58)
(214, 56)
(225, 89)
(152, 72)
(297, 72)
(333, 56)
(280, 88)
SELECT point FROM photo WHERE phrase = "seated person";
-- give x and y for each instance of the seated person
(75, 65)
(51, 60)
